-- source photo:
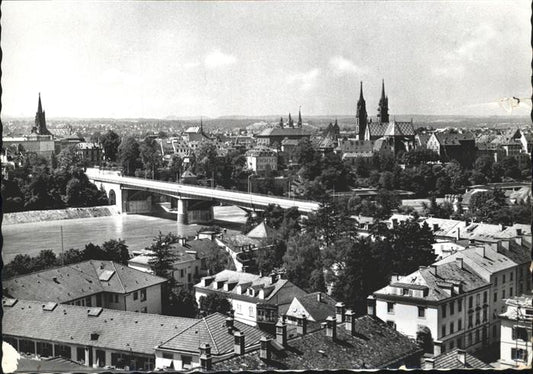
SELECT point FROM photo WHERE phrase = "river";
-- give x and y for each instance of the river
(137, 230)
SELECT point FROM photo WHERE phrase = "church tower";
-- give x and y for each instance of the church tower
(40, 120)
(300, 117)
(361, 118)
(383, 108)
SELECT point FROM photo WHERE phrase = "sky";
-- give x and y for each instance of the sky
(157, 59)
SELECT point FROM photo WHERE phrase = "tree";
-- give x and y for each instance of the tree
(116, 250)
(150, 153)
(176, 167)
(218, 260)
(206, 159)
(486, 206)
(303, 263)
(46, 259)
(68, 158)
(21, 264)
(270, 255)
(214, 303)
(128, 152)
(110, 143)
(182, 303)
(162, 261)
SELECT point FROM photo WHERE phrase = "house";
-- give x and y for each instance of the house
(221, 335)
(274, 136)
(444, 305)
(455, 359)
(261, 159)
(190, 260)
(515, 342)
(92, 283)
(459, 147)
(316, 307)
(89, 152)
(93, 336)
(242, 250)
(344, 343)
(255, 299)
(261, 231)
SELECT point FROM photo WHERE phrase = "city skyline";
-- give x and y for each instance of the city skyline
(186, 59)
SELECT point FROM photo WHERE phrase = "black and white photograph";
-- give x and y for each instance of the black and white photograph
(216, 186)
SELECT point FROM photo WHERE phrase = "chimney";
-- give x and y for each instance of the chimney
(518, 232)
(458, 234)
(319, 297)
(394, 222)
(459, 261)
(339, 312)
(429, 363)
(205, 356)
(182, 240)
(435, 269)
(229, 324)
(437, 348)
(481, 251)
(301, 329)
(281, 333)
(505, 244)
(238, 347)
(461, 356)
(518, 240)
(350, 321)
(273, 278)
(371, 305)
(435, 227)
(502, 227)
(264, 350)
(331, 327)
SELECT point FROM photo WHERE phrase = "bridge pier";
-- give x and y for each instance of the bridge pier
(183, 214)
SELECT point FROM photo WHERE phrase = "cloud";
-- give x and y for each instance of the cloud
(216, 59)
(307, 80)
(191, 65)
(342, 66)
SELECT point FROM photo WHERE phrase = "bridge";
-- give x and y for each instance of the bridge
(194, 203)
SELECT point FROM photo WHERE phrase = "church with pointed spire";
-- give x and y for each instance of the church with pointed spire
(40, 120)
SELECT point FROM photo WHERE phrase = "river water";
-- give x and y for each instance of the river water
(137, 230)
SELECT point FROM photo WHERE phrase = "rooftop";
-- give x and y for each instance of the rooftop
(79, 280)
(374, 345)
(70, 324)
(450, 360)
(285, 131)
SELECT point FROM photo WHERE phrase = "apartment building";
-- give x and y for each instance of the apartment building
(92, 283)
(516, 346)
(446, 304)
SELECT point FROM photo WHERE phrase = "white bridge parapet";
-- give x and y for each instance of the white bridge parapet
(206, 193)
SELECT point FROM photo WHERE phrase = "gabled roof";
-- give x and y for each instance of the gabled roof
(212, 330)
(79, 280)
(319, 310)
(285, 131)
(453, 139)
(70, 324)
(400, 129)
(282, 292)
(450, 360)
(374, 345)
(377, 129)
(261, 231)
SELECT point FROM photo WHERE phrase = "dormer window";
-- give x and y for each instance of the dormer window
(405, 292)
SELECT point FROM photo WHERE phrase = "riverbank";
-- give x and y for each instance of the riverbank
(58, 214)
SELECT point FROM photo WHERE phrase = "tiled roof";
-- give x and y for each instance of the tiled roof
(350, 145)
(319, 310)
(447, 274)
(286, 131)
(79, 280)
(450, 360)
(212, 329)
(260, 231)
(239, 240)
(51, 365)
(374, 345)
(400, 129)
(377, 129)
(70, 324)
(453, 139)
(282, 293)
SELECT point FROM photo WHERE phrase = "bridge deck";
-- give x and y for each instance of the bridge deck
(205, 193)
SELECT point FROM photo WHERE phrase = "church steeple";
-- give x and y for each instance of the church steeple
(40, 120)
(361, 117)
(300, 117)
(383, 108)
(291, 122)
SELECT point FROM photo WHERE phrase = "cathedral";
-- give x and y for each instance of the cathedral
(40, 121)
(394, 135)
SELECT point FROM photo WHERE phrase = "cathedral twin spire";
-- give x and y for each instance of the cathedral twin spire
(361, 116)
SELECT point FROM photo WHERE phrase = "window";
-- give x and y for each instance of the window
(495, 280)
(478, 321)
(88, 301)
(503, 278)
(495, 297)
(519, 333)
(469, 321)
(485, 315)
(251, 311)
(511, 276)
(143, 294)
(478, 299)
(168, 356)
(443, 330)
(518, 354)
(510, 291)
(485, 296)
(452, 307)
(421, 312)
(459, 305)
(405, 291)
(469, 339)
(444, 311)
(494, 331)
(116, 298)
(471, 302)
(135, 295)
(182, 273)
(186, 362)
(459, 343)
(460, 324)
(451, 345)
(390, 307)
(503, 294)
